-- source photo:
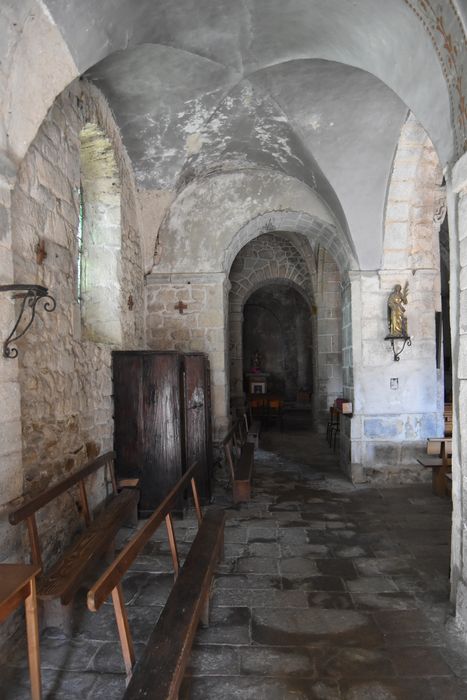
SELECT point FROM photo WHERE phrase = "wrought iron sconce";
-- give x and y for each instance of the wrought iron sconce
(30, 294)
(406, 340)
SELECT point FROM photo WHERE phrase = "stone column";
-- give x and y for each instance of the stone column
(11, 470)
(328, 337)
(395, 403)
(457, 212)
(235, 346)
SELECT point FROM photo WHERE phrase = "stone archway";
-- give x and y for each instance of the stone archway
(272, 258)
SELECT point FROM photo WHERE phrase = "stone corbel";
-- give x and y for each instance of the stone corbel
(441, 207)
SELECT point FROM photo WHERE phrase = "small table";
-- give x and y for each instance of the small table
(18, 584)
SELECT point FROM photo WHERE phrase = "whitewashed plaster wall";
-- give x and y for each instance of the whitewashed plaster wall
(64, 381)
(200, 327)
(390, 424)
(213, 217)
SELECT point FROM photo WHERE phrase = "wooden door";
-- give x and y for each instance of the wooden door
(128, 413)
(163, 463)
(148, 433)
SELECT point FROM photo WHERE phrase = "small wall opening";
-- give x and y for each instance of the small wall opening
(98, 268)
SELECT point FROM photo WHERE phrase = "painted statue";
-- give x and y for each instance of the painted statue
(396, 311)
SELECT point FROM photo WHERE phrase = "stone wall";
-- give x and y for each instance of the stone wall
(200, 327)
(397, 404)
(457, 207)
(273, 258)
(269, 258)
(329, 333)
(65, 381)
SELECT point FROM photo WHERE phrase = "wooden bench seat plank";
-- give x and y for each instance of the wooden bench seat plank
(430, 461)
(63, 579)
(159, 673)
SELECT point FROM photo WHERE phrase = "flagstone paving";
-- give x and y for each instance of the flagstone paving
(326, 591)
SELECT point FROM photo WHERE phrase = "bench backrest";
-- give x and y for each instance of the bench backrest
(28, 510)
(233, 443)
(112, 576)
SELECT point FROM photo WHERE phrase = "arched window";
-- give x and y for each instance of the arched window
(99, 238)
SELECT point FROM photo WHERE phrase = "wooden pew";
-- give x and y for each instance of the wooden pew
(159, 673)
(66, 575)
(239, 454)
(253, 427)
(440, 466)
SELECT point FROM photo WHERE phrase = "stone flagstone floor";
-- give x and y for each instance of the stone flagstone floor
(327, 591)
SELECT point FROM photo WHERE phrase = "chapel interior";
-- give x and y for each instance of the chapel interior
(233, 234)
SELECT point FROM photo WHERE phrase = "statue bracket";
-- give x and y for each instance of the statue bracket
(29, 294)
(406, 341)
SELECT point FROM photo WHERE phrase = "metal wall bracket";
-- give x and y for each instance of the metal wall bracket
(406, 341)
(29, 294)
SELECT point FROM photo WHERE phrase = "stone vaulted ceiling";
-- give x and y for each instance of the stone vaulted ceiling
(316, 89)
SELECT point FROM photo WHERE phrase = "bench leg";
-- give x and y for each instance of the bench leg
(32, 629)
(126, 640)
(241, 491)
(438, 481)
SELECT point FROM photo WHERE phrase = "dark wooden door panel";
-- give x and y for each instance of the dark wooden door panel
(128, 414)
(162, 420)
(163, 455)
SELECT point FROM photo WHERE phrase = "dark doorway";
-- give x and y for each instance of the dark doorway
(277, 329)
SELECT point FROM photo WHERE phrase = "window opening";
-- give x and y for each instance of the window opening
(80, 244)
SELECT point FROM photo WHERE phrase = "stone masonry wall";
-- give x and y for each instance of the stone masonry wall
(268, 258)
(457, 203)
(201, 327)
(272, 257)
(329, 333)
(65, 381)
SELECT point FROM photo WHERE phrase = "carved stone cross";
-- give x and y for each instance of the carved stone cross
(180, 307)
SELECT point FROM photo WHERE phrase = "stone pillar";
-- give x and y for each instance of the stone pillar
(236, 349)
(457, 212)
(188, 312)
(328, 336)
(11, 471)
(395, 403)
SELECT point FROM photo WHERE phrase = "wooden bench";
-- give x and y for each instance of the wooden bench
(253, 428)
(159, 673)
(440, 466)
(239, 454)
(61, 581)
